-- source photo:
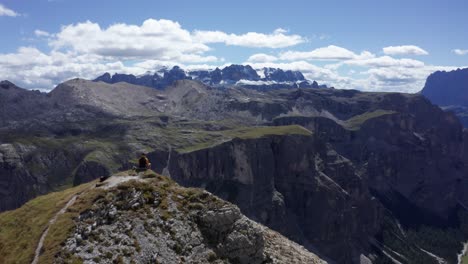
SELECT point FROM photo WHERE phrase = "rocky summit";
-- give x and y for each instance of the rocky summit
(143, 218)
(353, 177)
(449, 91)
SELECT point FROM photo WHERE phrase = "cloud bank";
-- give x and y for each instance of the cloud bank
(404, 50)
(4, 11)
(460, 51)
(277, 39)
(87, 50)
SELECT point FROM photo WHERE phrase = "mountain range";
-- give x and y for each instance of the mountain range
(449, 90)
(354, 177)
(233, 75)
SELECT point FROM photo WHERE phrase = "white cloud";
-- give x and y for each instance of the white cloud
(262, 57)
(154, 39)
(87, 50)
(385, 61)
(280, 31)
(331, 52)
(31, 68)
(41, 33)
(277, 39)
(323, 36)
(404, 50)
(380, 74)
(409, 80)
(309, 70)
(4, 11)
(460, 51)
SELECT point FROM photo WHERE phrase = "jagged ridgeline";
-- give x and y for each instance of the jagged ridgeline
(233, 75)
(353, 177)
(140, 218)
(448, 90)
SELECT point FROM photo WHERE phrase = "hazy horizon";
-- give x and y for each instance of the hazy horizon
(360, 45)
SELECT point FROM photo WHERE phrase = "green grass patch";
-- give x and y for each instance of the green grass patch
(355, 122)
(64, 225)
(262, 131)
(21, 229)
(248, 133)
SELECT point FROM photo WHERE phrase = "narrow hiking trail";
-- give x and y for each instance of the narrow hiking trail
(463, 253)
(51, 222)
(108, 183)
(116, 180)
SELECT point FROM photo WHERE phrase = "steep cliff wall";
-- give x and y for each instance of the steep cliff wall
(294, 184)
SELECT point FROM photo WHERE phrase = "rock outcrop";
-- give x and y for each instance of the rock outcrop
(156, 221)
(450, 91)
(29, 170)
(447, 88)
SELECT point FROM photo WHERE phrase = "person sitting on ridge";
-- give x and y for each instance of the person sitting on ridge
(143, 162)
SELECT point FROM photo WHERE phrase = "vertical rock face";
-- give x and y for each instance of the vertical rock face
(417, 162)
(328, 190)
(447, 88)
(13, 178)
(408, 157)
(26, 171)
(29, 170)
(88, 171)
(279, 75)
(449, 91)
(293, 184)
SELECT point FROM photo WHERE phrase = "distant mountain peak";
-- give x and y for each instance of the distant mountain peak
(7, 84)
(232, 75)
(450, 91)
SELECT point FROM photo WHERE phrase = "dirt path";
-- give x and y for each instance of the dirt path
(116, 180)
(464, 252)
(51, 222)
(109, 183)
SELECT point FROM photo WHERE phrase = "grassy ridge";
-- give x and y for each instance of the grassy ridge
(64, 226)
(258, 132)
(168, 191)
(21, 229)
(355, 122)
(247, 133)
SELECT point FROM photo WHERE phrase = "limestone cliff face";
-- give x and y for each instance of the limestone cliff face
(448, 90)
(27, 170)
(420, 163)
(407, 155)
(328, 190)
(14, 178)
(156, 221)
(294, 184)
(35, 168)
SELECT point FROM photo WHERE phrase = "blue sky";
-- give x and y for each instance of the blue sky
(367, 45)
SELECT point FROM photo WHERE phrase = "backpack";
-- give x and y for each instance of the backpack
(142, 162)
